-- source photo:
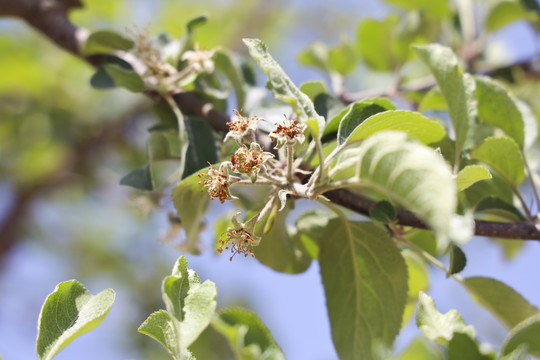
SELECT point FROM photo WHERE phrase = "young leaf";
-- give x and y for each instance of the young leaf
(418, 281)
(139, 179)
(462, 347)
(310, 225)
(457, 88)
(122, 77)
(471, 174)
(419, 349)
(384, 212)
(229, 66)
(526, 333)
(106, 41)
(202, 148)
(503, 155)
(342, 58)
(439, 327)
(365, 281)
(69, 312)
(503, 301)
(247, 335)
(316, 55)
(378, 43)
(410, 174)
(283, 88)
(354, 114)
(416, 125)
(496, 106)
(160, 327)
(495, 207)
(437, 8)
(504, 13)
(191, 204)
(457, 260)
(313, 88)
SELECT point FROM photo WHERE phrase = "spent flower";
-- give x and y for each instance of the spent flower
(242, 128)
(250, 161)
(239, 239)
(218, 181)
(199, 60)
(290, 132)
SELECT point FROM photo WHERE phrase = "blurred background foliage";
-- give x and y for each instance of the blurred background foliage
(64, 147)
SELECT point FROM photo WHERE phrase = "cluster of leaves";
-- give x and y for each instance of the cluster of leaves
(462, 156)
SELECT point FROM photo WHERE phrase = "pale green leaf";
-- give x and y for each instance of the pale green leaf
(342, 58)
(125, 78)
(69, 312)
(503, 155)
(437, 8)
(419, 349)
(227, 64)
(365, 281)
(471, 174)
(433, 100)
(504, 13)
(415, 124)
(313, 88)
(191, 204)
(159, 326)
(310, 225)
(106, 41)
(374, 41)
(496, 106)
(503, 301)
(439, 327)
(316, 55)
(410, 174)
(526, 333)
(283, 88)
(248, 336)
(418, 281)
(457, 88)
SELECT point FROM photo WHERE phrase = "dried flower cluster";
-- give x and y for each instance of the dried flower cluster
(239, 239)
(290, 132)
(250, 161)
(242, 128)
(146, 52)
(217, 182)
(199, 60)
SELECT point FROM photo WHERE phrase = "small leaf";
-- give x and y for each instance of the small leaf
(247, 334)
(437, 8)
(505, 13)
(342, 58)
(457, 260)
(526, 333)
(376, 42)
(202, 148)
(139, 179)
(496, 106)
(160, 327)
(69, 312)
(229, 66)
(282, 195)
(471, 174)
(410, 174)
(416, 125)
(191, 204)
(503, 155)
(106, 41)
(419, 349)
(503, 301)
(457, 88)
(313, 88)
(418, 281)
(439, 327)
(433, 100)
(495, 207)
(354, 114)
(122, 77)
(462, 347)
(283, 88)
(365, 281)
(384, 212)
(316, 55)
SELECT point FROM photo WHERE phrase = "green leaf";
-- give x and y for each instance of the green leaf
(503, 155)
(354, 114)
(418, 281)
(310, 225)
(281, 248)
(365, 281)
(471, 174)
(457, 88)
(437, 8)
(247, 335)
(226, 63)
(525, 333)
(69, 312)
(433, 100)
(202, 148)
(457, 260)
(462, 347)
(503, 301)
(415, 124)
(439, 327)
(106, 41)
(316, 55)
(419, 349)
(505, 13)
(378, 43)
(410, 174)
(283, 88)
(164, 150)
(500, 209)
(342, 58)
(122, 77)
(384, 212)
(313, 88)
(139, 179)
(160, 327)
(496, 106)
(520, 353)
(191, 205)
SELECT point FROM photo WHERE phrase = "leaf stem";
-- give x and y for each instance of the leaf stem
(182, 134)
(531, 180)
(290, 160)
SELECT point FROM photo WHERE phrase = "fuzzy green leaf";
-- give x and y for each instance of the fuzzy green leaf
(496, 106)
(69, 312)
(248, 336)
(365, 281)
(526, 333)
(283, 88)
(416, 125)
(439, 327)
(410, 174)
(471, 174)
(160, 327)
(457, 88)
(125, 78)
(503, 155)
(106, 41)
(191, 204)
(503, 301)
